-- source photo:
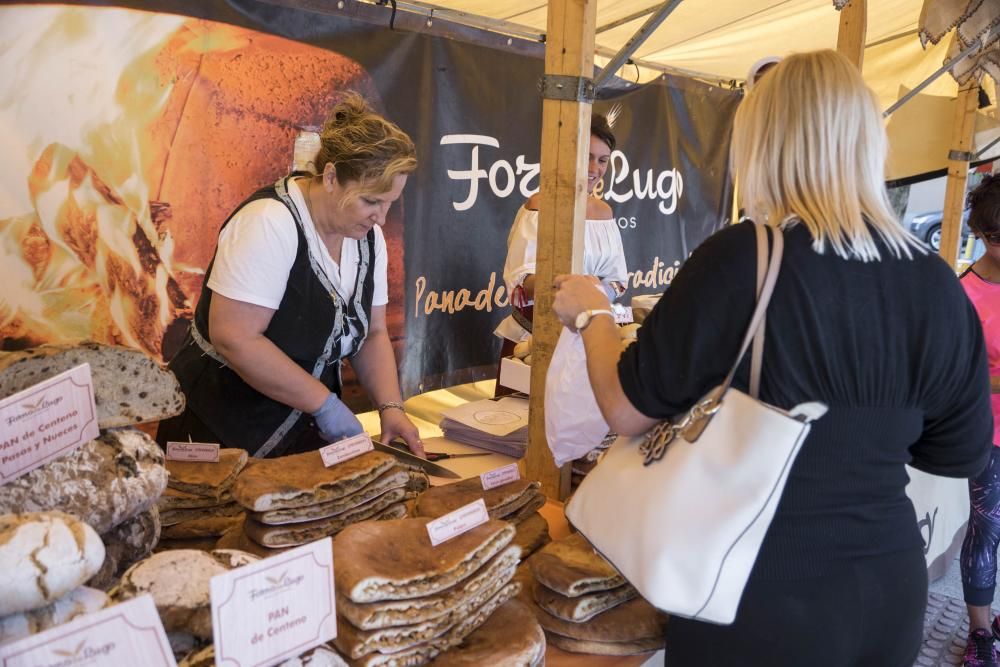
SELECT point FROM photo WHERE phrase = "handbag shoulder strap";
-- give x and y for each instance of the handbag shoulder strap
(767, 276)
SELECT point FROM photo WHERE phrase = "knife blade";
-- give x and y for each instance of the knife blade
(403, 455)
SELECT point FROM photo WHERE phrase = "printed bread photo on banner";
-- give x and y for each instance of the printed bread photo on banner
(111, 200)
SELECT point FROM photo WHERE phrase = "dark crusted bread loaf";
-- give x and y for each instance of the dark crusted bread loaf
(129, 387)
(104, 482)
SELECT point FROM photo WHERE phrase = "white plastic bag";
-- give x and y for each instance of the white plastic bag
(573, 423)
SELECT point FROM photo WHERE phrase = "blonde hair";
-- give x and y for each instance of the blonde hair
(809, 146)
(366, 150)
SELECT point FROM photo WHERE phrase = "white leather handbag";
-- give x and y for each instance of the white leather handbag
(682, 511)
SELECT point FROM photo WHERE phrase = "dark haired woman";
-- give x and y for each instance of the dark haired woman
(979, 550)
(603, 257)
(298, 282)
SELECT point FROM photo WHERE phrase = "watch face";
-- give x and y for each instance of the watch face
(582, 319)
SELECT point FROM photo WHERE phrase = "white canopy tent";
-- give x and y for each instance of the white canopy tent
(719, 40)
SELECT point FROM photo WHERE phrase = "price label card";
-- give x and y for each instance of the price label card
(624, 316)
(500, 476)
(46, 421)
(455, 523)
(205, 452)
(346, 449)
(129, 633)
(275, 609)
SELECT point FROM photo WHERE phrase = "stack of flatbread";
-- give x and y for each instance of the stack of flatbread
(401, 601)
(584, 604)
(583, 465)
(517, 502)
(198, 506)
(112, 483)
(294, 500)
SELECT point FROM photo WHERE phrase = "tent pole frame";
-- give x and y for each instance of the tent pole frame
(962, 136)
(975, 46)
(569, 52)
(853, 31)
(634, 42)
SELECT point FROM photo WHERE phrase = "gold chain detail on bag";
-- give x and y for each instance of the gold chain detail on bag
(660, 436)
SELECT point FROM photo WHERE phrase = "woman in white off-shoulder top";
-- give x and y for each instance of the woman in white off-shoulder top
(603, 257)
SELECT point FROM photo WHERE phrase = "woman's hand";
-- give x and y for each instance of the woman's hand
(575, 294)
(335, 420)
(395, 424)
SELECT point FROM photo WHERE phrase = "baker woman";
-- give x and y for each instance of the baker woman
(298, 282)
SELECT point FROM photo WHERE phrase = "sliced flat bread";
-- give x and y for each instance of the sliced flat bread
(236, 538)
(500, 501)
(389, 613)
(171, 517)
(103, 483)
(129, 387)
(532, 503)
(215, 526)
(394, 560)
(390, 505)
(355, 643)
(584, 607)
(173, 499)
(301, 479)
(421, 653)
(510, 637)
(572, 567)
(44, 556)
(209, 480)
(631, 621)
(395, 478)
(532, 534)
(604, 648)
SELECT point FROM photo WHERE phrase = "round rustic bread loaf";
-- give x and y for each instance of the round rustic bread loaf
(44, 556)
(76, 603)
(104, 482)
(178, 580)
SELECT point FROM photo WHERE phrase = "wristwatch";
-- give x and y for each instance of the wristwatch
(583, 319)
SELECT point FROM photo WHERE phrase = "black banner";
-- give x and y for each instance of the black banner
(224, 126)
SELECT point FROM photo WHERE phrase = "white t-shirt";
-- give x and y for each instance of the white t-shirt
(257, 249)
(603, 254)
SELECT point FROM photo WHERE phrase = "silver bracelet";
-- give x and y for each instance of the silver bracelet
(390, 404)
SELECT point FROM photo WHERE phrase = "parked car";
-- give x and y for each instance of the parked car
(927, 228)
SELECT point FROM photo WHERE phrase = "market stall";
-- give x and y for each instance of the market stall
(106, 230)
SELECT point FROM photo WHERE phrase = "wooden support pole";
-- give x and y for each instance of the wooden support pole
(962, 135)
(569, 51)
(853, 31)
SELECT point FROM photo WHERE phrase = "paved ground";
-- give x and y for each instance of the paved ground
(946, 625)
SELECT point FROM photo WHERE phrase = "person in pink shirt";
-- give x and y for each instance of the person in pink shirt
(979, 550)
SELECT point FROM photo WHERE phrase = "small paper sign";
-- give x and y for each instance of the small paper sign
(275, 609)
(204, 452)
(455, 523)
(346, 449)
(129, 633)
(624, 316)
(500, 476)
(46, 421)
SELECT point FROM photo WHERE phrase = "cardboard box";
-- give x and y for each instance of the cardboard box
(515, 374)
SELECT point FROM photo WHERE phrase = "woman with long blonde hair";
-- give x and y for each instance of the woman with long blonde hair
(863, 319)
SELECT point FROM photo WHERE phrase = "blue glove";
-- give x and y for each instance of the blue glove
(335, 421)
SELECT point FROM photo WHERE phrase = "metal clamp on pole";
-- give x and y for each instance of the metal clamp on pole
(961, 156)
(567, 88)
